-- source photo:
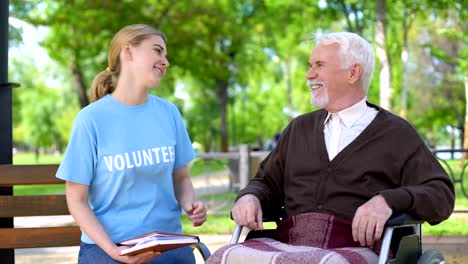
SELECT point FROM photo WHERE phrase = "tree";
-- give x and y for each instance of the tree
(384, 69)
(37, 109)
(79, 40)
(439, 86)
(224, 30)
(357, 15)
(410, 10)
(242, 63)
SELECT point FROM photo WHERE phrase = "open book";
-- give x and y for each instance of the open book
(157, 241)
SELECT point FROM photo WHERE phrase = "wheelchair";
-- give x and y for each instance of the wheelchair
(202, 249)
(402, 236)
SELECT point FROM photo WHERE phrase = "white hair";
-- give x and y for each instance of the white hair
(353, 50)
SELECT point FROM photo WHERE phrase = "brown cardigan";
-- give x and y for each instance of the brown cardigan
(388, 157)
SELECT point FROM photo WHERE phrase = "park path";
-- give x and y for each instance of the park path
(212, 183)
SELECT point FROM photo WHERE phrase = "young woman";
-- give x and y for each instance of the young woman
(125, 166)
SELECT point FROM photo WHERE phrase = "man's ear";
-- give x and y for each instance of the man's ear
(355, 73)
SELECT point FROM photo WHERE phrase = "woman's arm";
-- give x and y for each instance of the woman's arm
(186, 197)
(77, 200)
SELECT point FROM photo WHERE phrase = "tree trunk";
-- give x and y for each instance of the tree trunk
(221, 88)
(408, 18)
(36, 154)
(80, 84)
(404, 61)
(233, 136)
(347, 16)
(384, 73)
(465, 139)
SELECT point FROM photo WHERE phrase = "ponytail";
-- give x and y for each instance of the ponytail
(106, 81)
(102, 85)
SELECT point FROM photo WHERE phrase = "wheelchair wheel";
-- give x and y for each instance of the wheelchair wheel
(431, 256)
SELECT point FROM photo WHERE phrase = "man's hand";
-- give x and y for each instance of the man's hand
(248, 212)
(197, 213)
(369, 220)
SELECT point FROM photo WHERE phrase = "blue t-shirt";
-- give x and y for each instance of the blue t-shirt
(127, 155)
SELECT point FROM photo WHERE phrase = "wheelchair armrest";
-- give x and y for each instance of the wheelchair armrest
(406, 225)
(270, 217)
(398, 219)
(204, 251)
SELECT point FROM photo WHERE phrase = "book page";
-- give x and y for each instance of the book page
(152, 237)
(153, 241)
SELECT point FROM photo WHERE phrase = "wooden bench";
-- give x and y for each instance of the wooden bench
(12, 206)
(40, 205)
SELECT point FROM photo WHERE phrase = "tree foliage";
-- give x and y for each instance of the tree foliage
(35, 106)
(238, 67)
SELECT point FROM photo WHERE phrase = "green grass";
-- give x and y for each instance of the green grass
(39, 189)
(221, 203)
(214, 225)
(199, 166)
(220, 223)
(449, 227)
(456, 166)
(30, 158)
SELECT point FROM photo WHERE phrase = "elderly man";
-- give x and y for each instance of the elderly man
(341, 171)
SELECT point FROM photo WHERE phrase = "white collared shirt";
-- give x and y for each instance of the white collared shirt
(353, 120)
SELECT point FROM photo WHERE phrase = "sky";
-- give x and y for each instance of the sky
(32, 36)
(30, 45)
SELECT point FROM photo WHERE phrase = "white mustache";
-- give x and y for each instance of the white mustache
(313, 82)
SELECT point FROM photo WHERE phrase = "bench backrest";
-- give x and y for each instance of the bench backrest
(34, 205)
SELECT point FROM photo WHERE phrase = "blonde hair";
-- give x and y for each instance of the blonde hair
(105, 82)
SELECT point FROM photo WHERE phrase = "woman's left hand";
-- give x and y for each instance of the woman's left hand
(197, 213)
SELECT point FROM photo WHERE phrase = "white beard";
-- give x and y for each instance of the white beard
(319, 102)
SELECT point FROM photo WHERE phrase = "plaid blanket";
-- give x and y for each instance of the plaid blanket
(269, 251)
(306, 238)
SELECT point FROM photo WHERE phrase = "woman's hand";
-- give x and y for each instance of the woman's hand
(141, 258)
(197, 213)
(186, 197)
(77, 199)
